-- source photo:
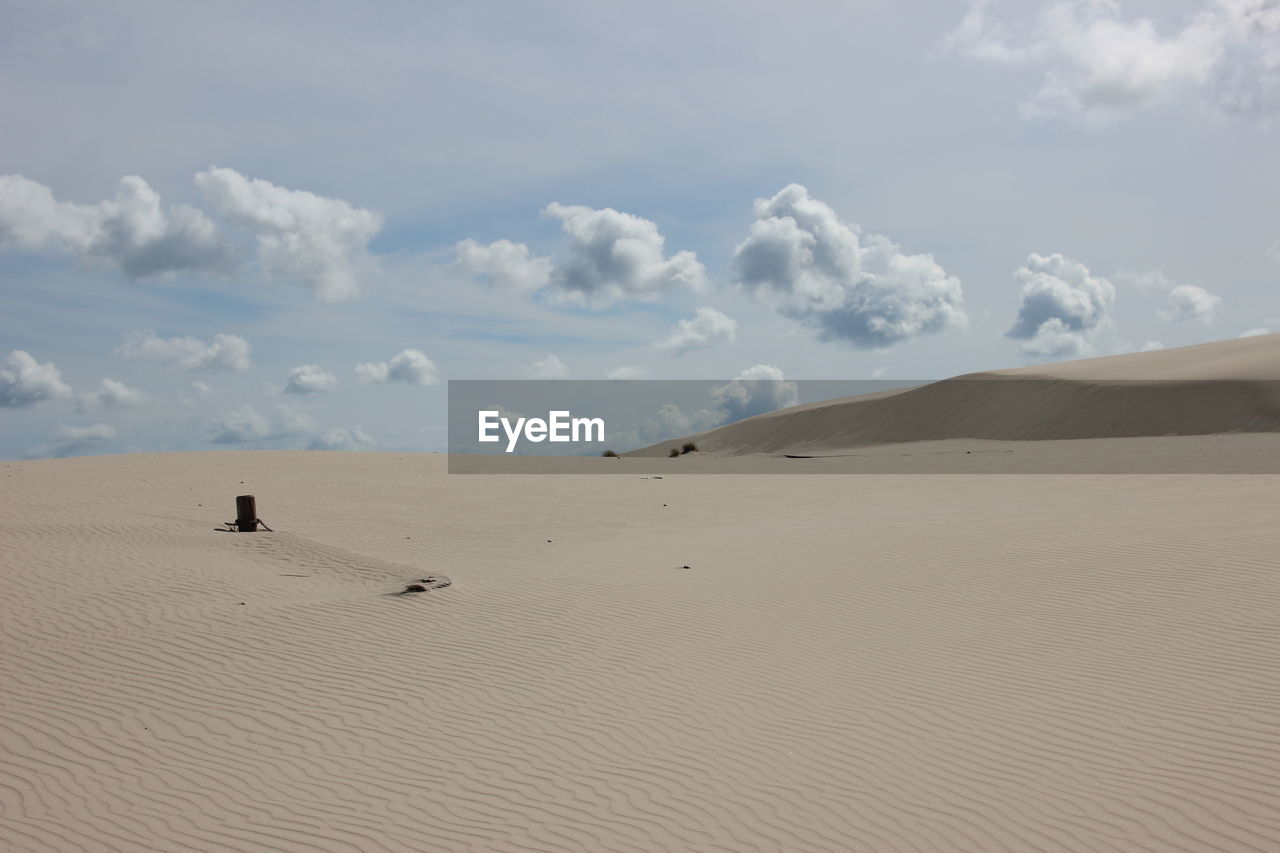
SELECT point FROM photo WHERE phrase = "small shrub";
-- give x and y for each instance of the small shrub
(675, 451)
(689, 447)
(610, 454)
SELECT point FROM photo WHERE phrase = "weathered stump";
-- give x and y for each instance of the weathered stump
(246, 514)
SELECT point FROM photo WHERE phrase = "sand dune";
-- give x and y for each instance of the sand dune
(1223, 387)
(850, 663)
(661, 661)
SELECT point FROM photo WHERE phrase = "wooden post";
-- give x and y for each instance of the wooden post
(246, 514)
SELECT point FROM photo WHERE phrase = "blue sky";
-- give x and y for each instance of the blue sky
(223, 225)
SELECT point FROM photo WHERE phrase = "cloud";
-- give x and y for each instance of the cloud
(111, 395)
(319, 241)
(225, 352)
(1151, 346)
(343, 438)
(1261, 330)
(1184, 302)
(808, 265)
(238, 426)
(550, 367)
(670, 422)
(1063, 305)
(410, 367)
(25, 381)
(1188, 303)
(610, 257)
(285, 424)
(200, 394)
(246, 425)
(627, 372)
(979, 37)
(614, 256)
(707, 328)
(1099, 64)
(757, 390)
(72, 441)
(132, 232)
(309, 379)
(504, 264)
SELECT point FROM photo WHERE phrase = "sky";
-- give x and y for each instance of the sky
(288, 225)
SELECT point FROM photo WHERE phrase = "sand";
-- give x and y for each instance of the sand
(922, 661)
(1225, 387)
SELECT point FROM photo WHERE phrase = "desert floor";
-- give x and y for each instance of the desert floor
(878, 662)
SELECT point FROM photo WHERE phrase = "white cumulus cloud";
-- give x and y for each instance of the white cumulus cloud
(246, 425)
(343, 438)
(706, 328)
(1063, 306)
(610, 257)
(627, 371)
(1100, 63)
(613, 256)
(550, 367)
(807, 264)
(73, 441)
(132, 232)
(309, 379)
(25, 381)
(111, 395)
(410, 367)
(505, 264)
(1189, 303)
(322, 242)
(239, 426)
(224, 352)
(757, 390)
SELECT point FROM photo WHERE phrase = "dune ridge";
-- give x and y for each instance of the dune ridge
(1208, 389)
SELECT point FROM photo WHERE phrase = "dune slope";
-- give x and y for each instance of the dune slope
(1223, 387)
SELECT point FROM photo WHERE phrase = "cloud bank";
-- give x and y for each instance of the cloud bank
(861, 289)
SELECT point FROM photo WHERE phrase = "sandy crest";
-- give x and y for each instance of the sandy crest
(871, 662)
(1223, 387)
